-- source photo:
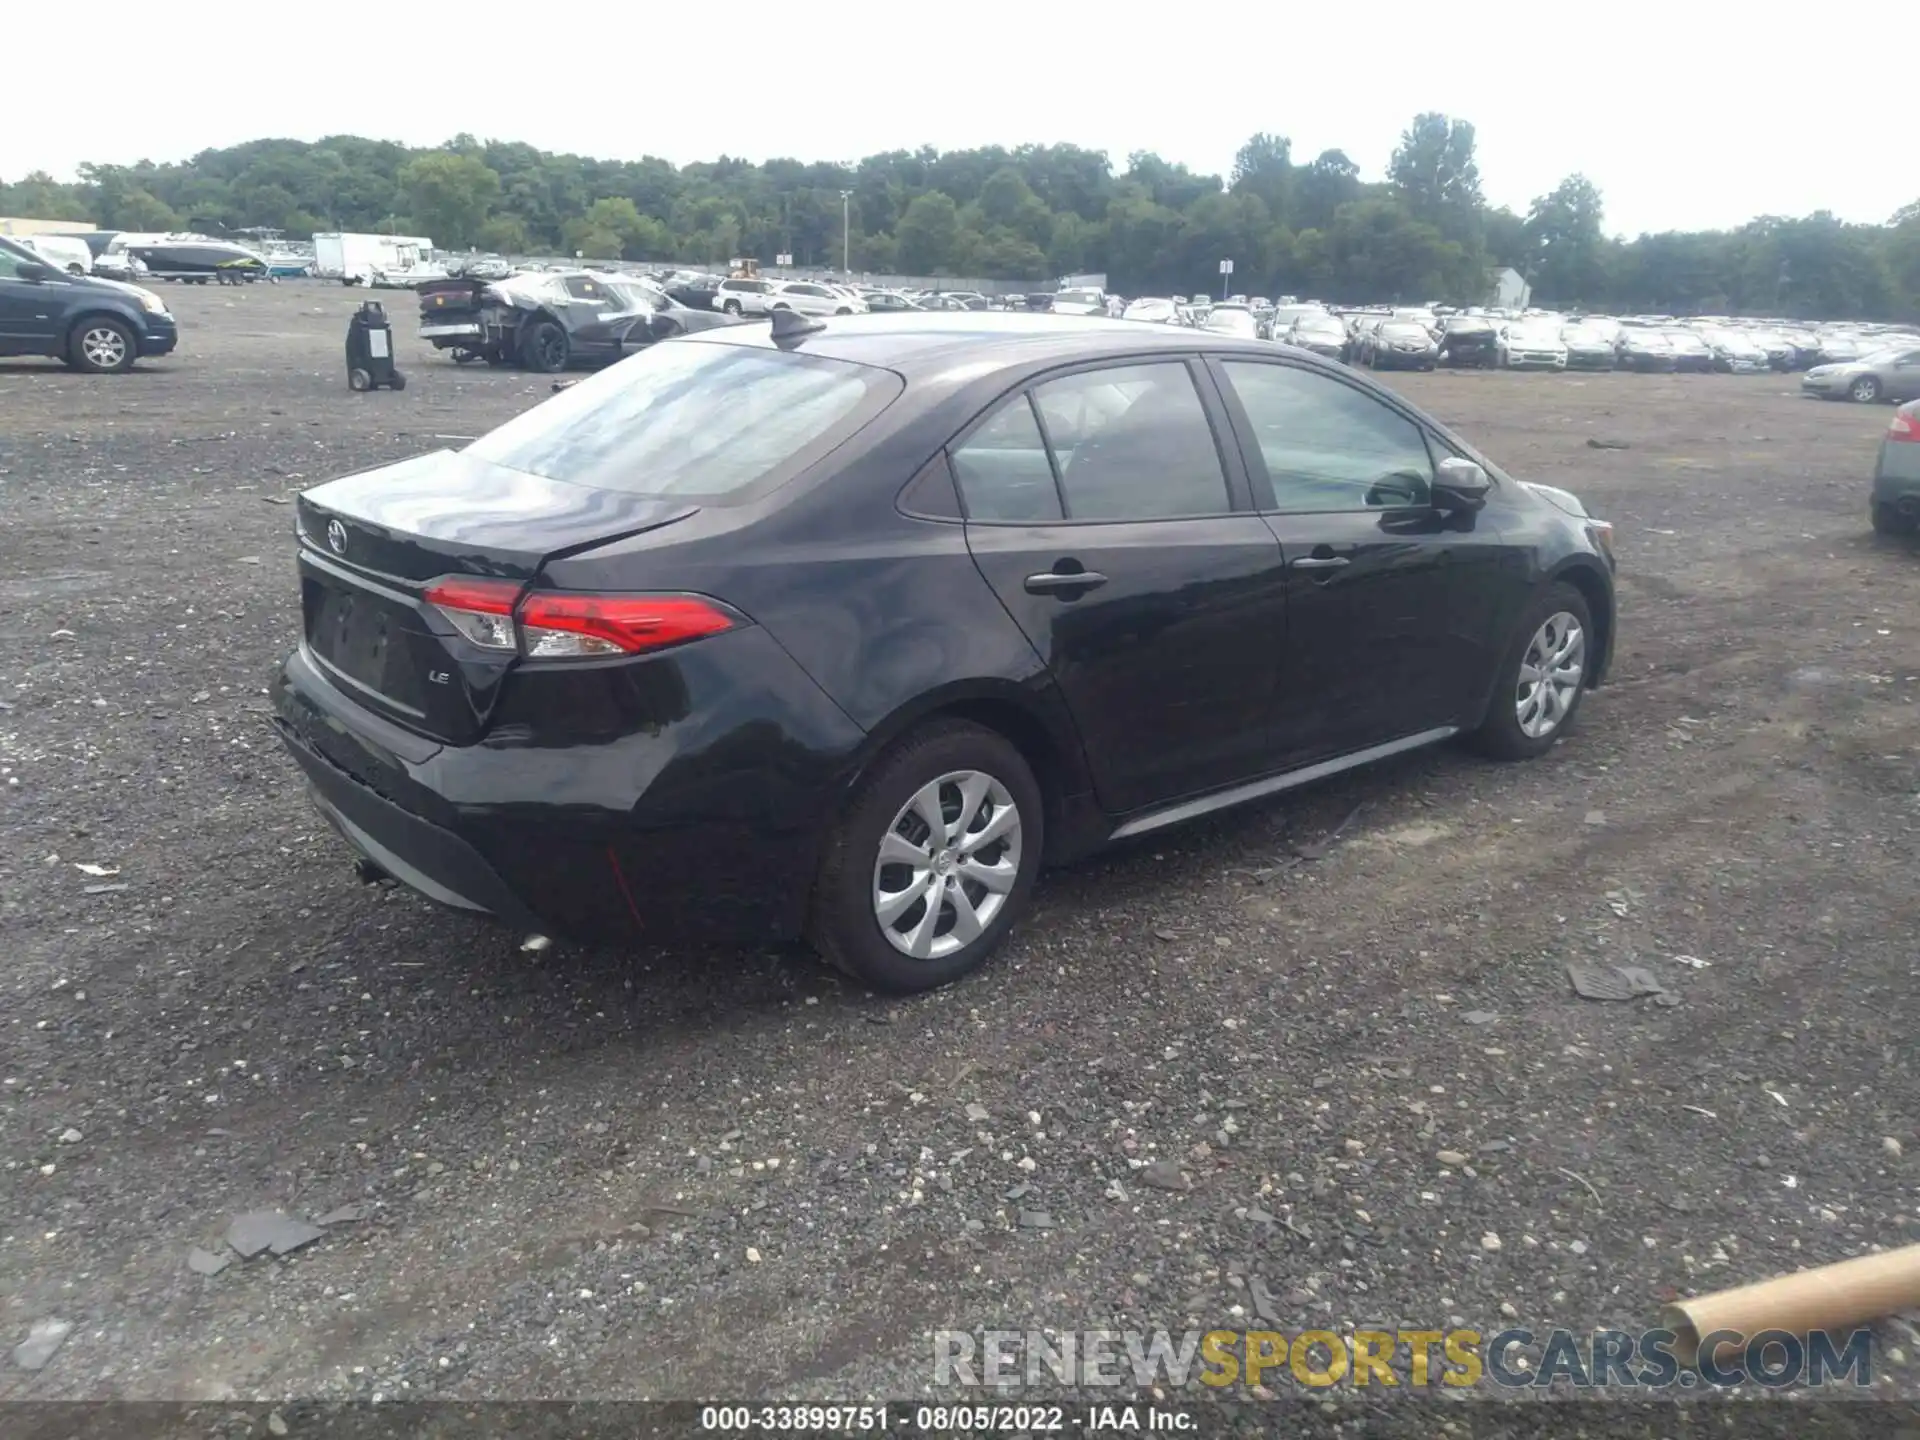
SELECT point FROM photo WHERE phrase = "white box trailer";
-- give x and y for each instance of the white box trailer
(363, 259)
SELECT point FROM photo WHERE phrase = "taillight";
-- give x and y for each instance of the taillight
(556, 625)
(1904, 427)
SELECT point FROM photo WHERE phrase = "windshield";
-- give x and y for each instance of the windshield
(1404, 330)
(1534, 333)
(1319, 325)
(1886, 356)
(695, 419)
(1582, 335)
(1685, 340)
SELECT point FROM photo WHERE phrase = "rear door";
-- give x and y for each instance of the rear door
(1113, 525)
(1381, 603)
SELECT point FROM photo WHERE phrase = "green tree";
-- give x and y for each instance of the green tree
(1567, 262)
(928, 235)
(450, 195)
(504, 235)
(1264, 168)
(1437, 176)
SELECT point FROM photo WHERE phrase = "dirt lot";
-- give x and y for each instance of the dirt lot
(608, 1174)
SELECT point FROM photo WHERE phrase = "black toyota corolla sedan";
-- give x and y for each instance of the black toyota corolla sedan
(841, 628)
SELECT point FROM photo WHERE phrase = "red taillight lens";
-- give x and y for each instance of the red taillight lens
(558, 625)
(1904, 427)
(553, 625)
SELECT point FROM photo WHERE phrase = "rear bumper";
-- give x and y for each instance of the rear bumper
(700, 823)
(1896, 478)
(435, 862)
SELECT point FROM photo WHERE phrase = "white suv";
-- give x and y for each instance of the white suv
(809, 298)
(744, 297)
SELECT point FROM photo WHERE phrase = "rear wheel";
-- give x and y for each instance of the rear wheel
(1542, 678)
(932, 862)
(101, 345)
(1889, 521)
(544, 347)
(732, 307)
(1865, 390)
(358, 380)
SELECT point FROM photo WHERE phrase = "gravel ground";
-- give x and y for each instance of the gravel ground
(599, 1174)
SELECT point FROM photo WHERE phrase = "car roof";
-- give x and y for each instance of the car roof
(924, 344)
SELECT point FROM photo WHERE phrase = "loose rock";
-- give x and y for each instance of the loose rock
(44, 1338)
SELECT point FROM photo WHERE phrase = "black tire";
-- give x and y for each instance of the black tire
(843, 925)
(101, 345)
(359, 380)
(732, 307)
(843, 310)
(1889, 521)
(1500, 735)
(76, 269)
(1865, 390)
(544, 347)
(399, 381)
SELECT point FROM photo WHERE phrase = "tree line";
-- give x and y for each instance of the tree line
(1424, 232)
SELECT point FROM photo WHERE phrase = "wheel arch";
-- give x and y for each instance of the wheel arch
(1034, 720)
(1585, 575)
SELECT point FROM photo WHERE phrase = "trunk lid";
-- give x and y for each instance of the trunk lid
(371, 543)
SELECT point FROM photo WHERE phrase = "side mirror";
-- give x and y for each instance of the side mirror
(1460, 484)
(36, 272)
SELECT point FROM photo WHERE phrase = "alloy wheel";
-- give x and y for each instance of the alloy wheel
(947, 864)
(1551, 673)
(104, 347)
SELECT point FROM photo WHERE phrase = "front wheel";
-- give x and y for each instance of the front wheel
(1542, 677)
(102, 346)
(732, 307)
(932, 862)
(1865, 390)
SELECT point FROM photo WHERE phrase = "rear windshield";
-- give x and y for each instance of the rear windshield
(693, 419)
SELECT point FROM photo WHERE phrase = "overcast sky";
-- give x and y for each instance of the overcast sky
(1687, 114)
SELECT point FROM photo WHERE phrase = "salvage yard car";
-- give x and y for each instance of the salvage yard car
(841, 627)
(1896, 477)
(94, 325)
(1469, 340)
(1889, 374)
(545, 322)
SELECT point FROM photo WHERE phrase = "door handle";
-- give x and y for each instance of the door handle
(1320, 562)
(1064, 582)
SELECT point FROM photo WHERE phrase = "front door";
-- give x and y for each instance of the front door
(1100, 511)
(1375, 649)
(29, 309)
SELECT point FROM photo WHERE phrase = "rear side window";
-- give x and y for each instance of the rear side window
(1004, 472)
(694, 419)
(1133, 443)
(1127, 443)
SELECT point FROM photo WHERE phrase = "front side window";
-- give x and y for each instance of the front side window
(692, 419)
(1329, 446)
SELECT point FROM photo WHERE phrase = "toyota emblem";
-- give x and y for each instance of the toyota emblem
(337, 537)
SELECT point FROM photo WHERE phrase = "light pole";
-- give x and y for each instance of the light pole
(846, 232)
